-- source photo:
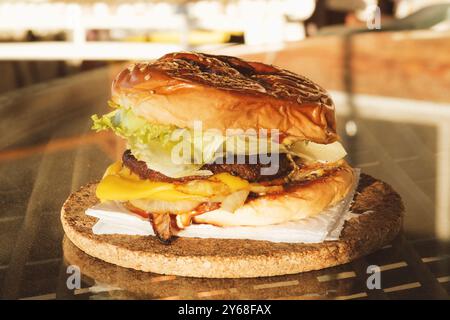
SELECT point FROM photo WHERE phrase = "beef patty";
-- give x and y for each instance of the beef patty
(247, 171)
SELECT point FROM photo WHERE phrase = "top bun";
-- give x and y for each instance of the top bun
(226, 93)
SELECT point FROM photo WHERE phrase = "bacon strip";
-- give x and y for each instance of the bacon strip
(162, 226)
(166, 225)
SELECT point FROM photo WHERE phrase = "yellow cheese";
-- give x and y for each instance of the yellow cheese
(113, 169)
(233, 182)
(119, 183)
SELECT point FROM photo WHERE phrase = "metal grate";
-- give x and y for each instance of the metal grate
(409, 270)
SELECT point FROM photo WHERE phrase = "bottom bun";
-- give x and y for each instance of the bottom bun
(378, 219)
(298, 202)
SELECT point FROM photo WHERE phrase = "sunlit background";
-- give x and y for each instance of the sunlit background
(386, 64)
(80, 35)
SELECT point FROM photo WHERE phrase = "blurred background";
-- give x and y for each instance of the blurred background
(386, 64)
(45, 39)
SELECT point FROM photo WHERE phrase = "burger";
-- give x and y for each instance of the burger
(217, 148)
(155, 103)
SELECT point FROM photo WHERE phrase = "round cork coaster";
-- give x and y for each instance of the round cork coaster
(379, 212)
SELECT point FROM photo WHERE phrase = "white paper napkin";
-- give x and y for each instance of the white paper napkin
(327, 225)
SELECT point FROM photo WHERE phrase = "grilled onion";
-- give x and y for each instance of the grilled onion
(157, 206)
(234, 200)
(203, 188)
(262, 189)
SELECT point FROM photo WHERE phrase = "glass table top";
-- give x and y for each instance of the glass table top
(47, 151)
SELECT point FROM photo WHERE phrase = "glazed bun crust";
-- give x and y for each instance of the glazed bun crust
(299, 201)
(226, 93)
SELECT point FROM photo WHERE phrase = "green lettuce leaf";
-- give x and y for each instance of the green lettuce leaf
(127, 125)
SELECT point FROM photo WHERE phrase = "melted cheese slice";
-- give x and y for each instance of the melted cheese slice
(120, 184)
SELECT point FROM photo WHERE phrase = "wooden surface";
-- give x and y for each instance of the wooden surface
(413, 65)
